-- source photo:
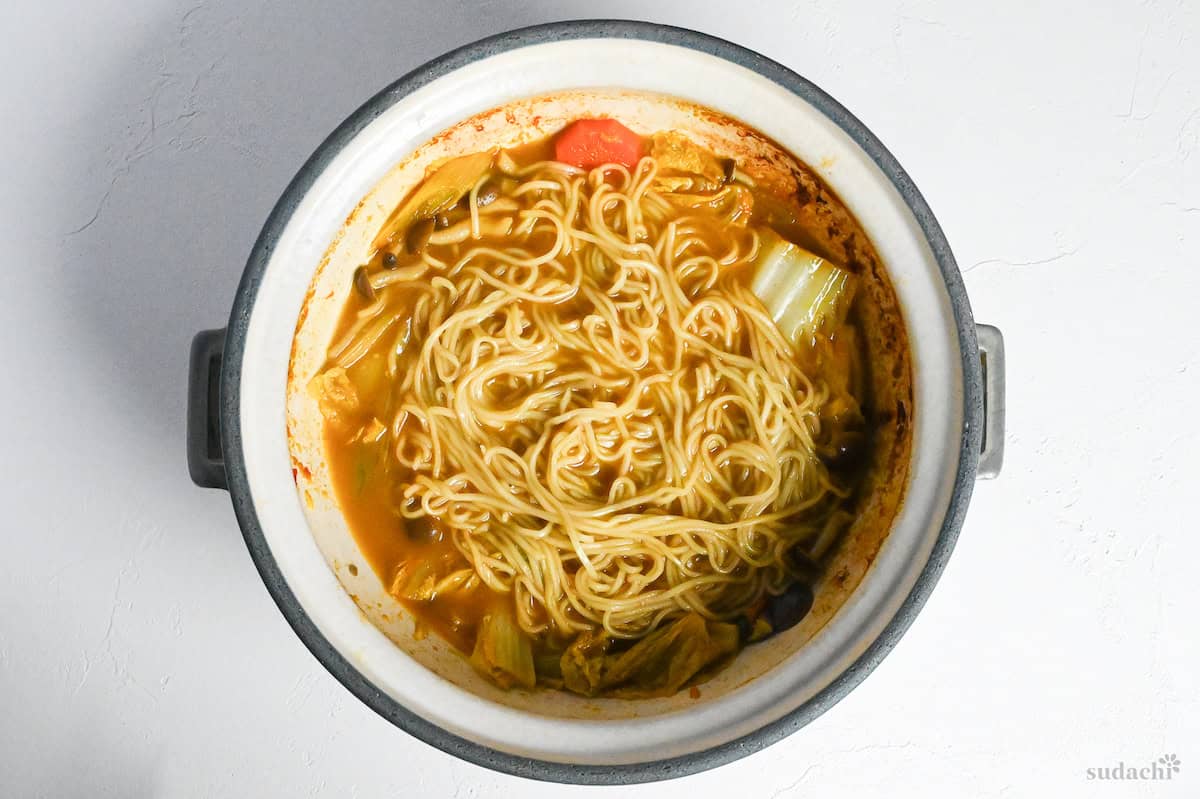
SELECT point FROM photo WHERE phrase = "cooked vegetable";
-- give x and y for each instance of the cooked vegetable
(415, 580)
(368, 374)
(335, 394)
(734, 201)
(789, 608)
(589, 143)
(507, 165)
(657, 665)
(441, 189)
(372, 431)
(729, 169)
(761, 629)
(804, 293)
(399, 274)
(843, 442)
(848, 360)
(362, 284)
(503, 653)
(363, 467)
(456, 581)
(781, 217)
(838, 361)
(685, 165)
(417, 237)
(547, 662)
(419, 530)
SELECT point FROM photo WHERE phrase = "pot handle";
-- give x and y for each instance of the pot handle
(206, 462)
(991, 359)
(207, 465)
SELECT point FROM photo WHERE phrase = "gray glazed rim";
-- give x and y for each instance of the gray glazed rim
(336, 663)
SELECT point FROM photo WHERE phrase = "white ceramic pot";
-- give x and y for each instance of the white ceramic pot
(255, 432)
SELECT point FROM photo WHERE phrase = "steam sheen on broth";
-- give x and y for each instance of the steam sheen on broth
(596, 410)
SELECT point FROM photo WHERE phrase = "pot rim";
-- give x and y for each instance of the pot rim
(338, 665)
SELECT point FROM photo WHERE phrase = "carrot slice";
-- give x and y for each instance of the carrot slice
(588, 143)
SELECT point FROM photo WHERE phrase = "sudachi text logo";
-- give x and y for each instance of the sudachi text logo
(1164, 768)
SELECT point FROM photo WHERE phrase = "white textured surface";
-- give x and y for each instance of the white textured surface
(145, 142)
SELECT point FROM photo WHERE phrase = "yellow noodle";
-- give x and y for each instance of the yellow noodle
(598, 410)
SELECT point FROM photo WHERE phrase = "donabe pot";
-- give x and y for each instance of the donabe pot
(250, 431)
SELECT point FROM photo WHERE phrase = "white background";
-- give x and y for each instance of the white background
(144, 143)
